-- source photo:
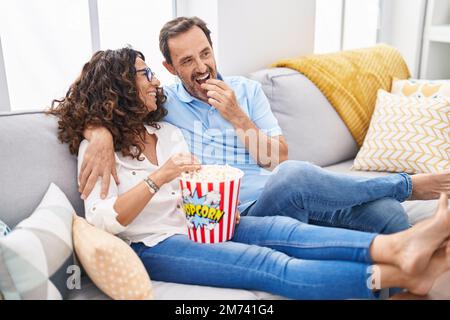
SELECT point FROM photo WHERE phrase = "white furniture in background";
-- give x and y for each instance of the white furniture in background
(435, 62)
(4, 95)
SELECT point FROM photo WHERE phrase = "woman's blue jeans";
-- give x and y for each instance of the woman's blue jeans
(313, 195)
(275, 254)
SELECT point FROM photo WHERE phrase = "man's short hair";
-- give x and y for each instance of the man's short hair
(178, 26)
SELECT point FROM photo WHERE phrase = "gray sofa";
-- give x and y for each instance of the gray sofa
(31, 158)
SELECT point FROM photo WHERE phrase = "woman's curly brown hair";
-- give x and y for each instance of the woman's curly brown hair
(106, 95)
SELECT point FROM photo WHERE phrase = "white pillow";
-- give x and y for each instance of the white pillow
(36, 255)
(4, 229)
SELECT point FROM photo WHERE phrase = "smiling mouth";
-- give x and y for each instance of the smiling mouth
(202, 79)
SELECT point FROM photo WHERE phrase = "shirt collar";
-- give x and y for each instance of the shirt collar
(152, 130)
(185, 96)
(130, 163)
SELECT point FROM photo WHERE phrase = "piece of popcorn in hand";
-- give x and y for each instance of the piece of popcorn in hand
(213, 173)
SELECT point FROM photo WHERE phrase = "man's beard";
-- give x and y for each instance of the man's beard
(193, 87)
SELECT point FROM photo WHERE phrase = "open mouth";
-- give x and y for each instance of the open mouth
(202, 79)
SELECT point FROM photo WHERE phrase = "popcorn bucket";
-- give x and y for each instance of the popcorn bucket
(210, 199)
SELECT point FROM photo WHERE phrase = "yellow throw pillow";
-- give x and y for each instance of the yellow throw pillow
(407, 135)
(421, 88)
(110, 263)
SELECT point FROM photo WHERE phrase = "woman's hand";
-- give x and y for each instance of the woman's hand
(177, 164)
(237, 217)
(98, 161)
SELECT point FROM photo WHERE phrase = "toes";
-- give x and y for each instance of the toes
(447, 255)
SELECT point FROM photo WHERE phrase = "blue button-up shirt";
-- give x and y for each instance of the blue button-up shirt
(213, 140)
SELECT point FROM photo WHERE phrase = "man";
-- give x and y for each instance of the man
(228, 120)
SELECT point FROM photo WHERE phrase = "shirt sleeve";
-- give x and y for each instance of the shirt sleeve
(262, 115)
(100, 212)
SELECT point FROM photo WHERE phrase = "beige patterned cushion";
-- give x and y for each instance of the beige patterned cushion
(407, 135)
(421, 88)
(111, 264)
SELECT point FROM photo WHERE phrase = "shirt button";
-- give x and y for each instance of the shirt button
(173, 192)
(178, 206)
(133, 173)
(93, 209)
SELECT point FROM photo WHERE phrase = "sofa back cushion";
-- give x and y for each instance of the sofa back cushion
(313, 130)
(31, 157)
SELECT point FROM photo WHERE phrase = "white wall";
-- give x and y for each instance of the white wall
(361, 24)
(252, 34)
(402, 27)
(46, 43)
(255, 33)
(204, 9)
(328, 26)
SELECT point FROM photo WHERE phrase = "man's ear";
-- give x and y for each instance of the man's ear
(169, 67)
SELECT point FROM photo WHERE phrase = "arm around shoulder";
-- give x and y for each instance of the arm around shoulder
(100, 212)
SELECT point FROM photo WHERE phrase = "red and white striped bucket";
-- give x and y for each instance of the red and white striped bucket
(210, 208)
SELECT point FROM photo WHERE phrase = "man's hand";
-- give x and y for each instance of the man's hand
(224, 100)
(267, 151)
(98, 161)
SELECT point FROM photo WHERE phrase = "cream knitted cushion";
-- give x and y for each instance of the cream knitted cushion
(407, 134)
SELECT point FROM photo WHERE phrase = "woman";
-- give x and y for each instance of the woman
(279, 255)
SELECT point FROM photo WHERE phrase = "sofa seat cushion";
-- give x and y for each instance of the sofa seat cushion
(175, 291)
(416, 210)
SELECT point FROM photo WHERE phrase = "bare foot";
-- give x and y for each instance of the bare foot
(427, 186)
(416, 246)
(439, 263)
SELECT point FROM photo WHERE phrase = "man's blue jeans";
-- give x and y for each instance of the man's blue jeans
(275, 254)
(313, 195)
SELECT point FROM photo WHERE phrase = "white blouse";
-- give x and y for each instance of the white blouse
(163, 216)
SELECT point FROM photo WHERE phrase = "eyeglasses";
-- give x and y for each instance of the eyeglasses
(148, 73)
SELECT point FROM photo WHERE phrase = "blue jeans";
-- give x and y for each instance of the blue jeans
(313, 195)
(275, 254)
